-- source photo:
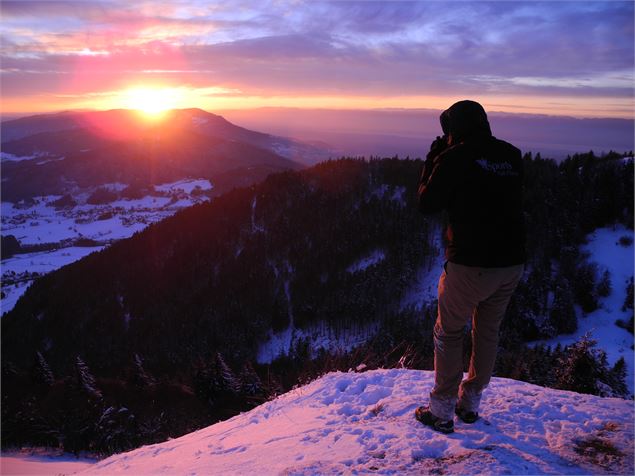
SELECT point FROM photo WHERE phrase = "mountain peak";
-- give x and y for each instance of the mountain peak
(363, 422)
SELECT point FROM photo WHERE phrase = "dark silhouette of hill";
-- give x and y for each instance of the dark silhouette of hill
(73, 151)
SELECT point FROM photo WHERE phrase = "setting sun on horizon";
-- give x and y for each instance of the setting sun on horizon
(151, 101)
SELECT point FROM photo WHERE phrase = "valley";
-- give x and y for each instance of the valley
(51, 236)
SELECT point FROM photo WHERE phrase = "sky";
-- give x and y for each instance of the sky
(561, 57)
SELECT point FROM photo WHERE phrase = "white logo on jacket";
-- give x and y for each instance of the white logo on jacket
(503, 169)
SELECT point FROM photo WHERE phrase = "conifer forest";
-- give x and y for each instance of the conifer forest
(159, 334)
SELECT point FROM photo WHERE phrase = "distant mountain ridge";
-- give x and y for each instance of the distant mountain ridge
(68, 152)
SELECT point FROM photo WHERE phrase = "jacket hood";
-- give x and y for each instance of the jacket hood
(464, 120)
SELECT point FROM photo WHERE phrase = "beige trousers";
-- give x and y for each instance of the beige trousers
(482, 294)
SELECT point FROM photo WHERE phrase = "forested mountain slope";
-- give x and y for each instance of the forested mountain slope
(166, 315)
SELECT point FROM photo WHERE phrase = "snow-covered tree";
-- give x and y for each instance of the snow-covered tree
(141, 377)
(226, 381)
(584, 369)
(86, 379)
(42, 373)
(115, 430)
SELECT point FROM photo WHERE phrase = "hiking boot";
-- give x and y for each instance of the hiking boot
(425, 416)
(466, 416)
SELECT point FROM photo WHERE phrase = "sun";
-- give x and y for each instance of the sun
(152, 102)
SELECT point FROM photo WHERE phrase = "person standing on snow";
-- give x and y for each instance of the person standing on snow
(477, 179)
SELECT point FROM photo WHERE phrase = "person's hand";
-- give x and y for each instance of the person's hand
(438, 145)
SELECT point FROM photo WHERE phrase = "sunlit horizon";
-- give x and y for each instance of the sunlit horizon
(154, 102)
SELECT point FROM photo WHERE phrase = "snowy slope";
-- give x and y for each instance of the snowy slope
(605, 250)
(351, 423)
(42, 462)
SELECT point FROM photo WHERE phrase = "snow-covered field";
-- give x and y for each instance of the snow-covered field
(40, 223)
(42, 463)
(605, 250)
(363, 423)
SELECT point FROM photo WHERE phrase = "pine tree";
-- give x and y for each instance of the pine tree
(604, 286)
(274, 387)
(115, 430)
(562, 314)
(628, 301)
(226, 381)
(585, 286)
(141, 377)
(617, 379)
(577, 368)
(584, 369)
(202, 381)
(250, 383)
(42, 373)
(86, 379)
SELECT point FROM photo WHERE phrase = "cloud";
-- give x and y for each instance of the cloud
(274, 48)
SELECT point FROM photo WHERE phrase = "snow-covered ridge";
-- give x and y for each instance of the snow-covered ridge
(609, 254)
(351, 423)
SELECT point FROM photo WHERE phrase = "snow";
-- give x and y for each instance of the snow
(139, 204)
(254, 226)
(319, 336)
(372, 259)
(425, 290)
(115, 186)
(199, 121)
(54, 159)
(605, 250)
(399, 195)
(363, 423)
(46, 261)
(42, 223)
(5, 156)
(186, 185)
(39, 462)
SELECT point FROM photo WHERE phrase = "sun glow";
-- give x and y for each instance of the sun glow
(152, 102)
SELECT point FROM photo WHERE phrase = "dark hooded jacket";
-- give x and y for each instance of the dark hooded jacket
(478, 180)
